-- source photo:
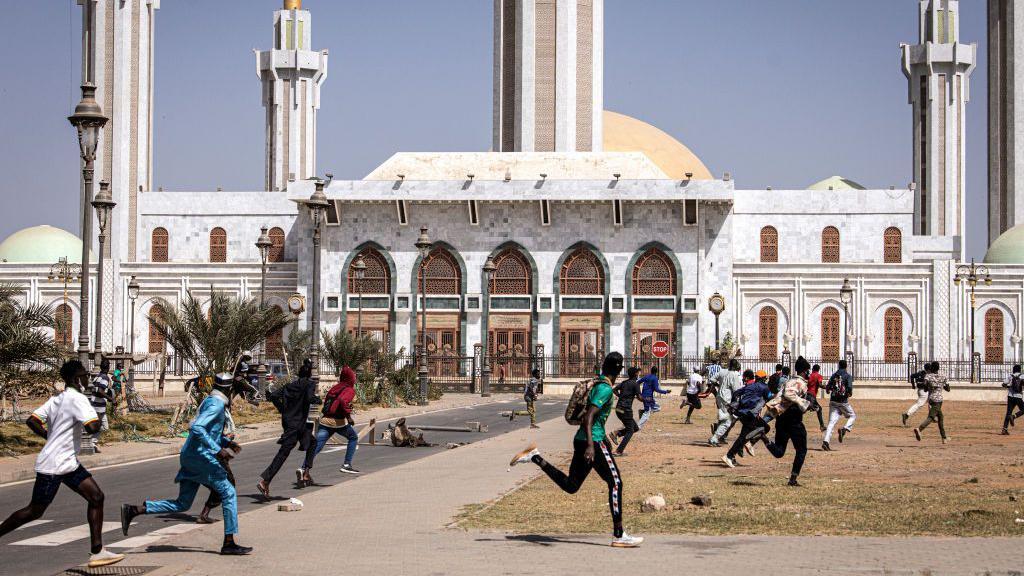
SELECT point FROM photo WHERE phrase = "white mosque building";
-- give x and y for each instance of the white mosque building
(606, 232)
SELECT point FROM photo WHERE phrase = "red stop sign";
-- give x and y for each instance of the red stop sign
(660, 349)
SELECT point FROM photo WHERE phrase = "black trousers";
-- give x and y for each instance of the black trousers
(629, 427)
(750, 423)
(789, 427)
(288, 442)
(1011, 404)
(579, 469)
(816, 406)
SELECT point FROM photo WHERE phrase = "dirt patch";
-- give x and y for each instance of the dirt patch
(880, 481)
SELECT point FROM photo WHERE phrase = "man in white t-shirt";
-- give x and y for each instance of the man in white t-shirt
(60, 421)
(694, 388)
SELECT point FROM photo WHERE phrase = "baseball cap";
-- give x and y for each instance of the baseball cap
(762, 374)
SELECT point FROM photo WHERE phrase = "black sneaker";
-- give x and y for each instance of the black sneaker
(128, 513)
(842, 434)
(826, 447)
(235, 550)
(1013, 419)
(794, 483)
(348, 469)
(905, 417)
(917, 434)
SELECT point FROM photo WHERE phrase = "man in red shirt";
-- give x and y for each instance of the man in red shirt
(813, 383)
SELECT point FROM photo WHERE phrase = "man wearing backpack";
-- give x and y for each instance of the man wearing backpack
(1014, 399)
(292, 401)
(591, 450)
(917, 383)
(840, 389)
(336, 419)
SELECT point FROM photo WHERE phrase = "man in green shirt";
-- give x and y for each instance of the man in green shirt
(591, 451)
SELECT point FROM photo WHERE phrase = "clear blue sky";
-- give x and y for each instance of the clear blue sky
(781, 93)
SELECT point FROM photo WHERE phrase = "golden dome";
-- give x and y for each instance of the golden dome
(627, 134)
(293, 4)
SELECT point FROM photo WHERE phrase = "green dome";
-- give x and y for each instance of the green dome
(42, 245)
(836, 183)
(1008, 248)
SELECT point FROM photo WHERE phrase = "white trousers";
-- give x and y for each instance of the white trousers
(836, 410)
(922, 400)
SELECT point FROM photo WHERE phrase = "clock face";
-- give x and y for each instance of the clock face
(296, 303)
(717, 304)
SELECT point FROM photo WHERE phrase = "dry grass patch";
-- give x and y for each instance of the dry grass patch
(879, 482)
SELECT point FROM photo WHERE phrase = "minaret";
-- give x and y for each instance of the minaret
(939, 69)
(123, 74)
(292, 73)
(1005, 106)
(548, 75)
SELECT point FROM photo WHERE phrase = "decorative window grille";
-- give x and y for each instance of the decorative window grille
(582, 274)
(64, 319)
(830, 245)
(443, 275)
(276, 245)
(159, 245)
(830, 334)
(768, 334)
(654, 275)
(218, 245)
(893, 335)
(376, 278)
(893, 245)
(513, 274)
(994, 336)
(157, 343)
(769, 244)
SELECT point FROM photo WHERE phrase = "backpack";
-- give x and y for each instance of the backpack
(329, 409)
(836, 385)
(578, 402)
(1016, 384)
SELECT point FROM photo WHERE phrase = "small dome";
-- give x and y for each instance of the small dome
(836, 183)
(1008, 248)
(42, 245)
(627, 134)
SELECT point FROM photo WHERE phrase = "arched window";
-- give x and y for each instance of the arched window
(769, 244)
(893, 335)
(159, 245)
(893, 245)
(581, 274)
(376, 278)
(443, 275)
(276, 245)
(654, 275)
(157, 344)
(994, 335)
(63, 319)
(218, 245)
(830, 245)
(830, 334)
(768, 333)
(275, 346)
(512, 274)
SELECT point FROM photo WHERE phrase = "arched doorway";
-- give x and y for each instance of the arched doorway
(653, 315)
(442, 306)
(509, 321)
(830, 334)
(995, 334)
(63, 319)
(373, 318)
(894, 335)
(581, 285)
(768, 334)
(157, 343)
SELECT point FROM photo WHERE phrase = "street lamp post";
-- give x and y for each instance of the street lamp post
(104, 205)
(317, 205)
(88, 119)
(971, 274)
(359, 270)
(133, 293)
(846, 297)
(489, 268)
(716, 304)
(263, 244)
(423, 245)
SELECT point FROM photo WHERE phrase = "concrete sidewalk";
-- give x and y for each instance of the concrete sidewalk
(21, 468)
(394, 522)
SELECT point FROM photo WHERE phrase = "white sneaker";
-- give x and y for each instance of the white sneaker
(104, 558)
(526, 456)
(749, 449)
(627, 541)
(729, 461)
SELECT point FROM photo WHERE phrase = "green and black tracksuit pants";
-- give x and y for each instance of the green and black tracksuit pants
(579, 469)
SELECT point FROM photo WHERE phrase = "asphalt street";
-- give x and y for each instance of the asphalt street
(60, 539)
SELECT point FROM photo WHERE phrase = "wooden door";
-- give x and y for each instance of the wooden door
(994, 336)
(509, 351)
(893, 335)
(830, 334)
(443, 351)
(643, 356)
(768, 334)
(581, 350)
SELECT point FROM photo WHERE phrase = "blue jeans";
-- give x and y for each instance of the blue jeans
(323, 435)
(187, 493)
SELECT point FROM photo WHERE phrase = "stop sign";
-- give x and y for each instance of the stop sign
(660, 349)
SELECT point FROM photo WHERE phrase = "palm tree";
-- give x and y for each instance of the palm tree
(27, 347)
(344, 349)
(213, 341)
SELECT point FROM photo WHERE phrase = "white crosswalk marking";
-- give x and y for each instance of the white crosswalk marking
(34, 523)
(65, 536)
(154, 536)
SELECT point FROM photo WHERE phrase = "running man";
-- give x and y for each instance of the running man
(591, 451)
(626, 391)
(814, 381)
(749, 400)
(917, 383)
(101, 393)
(694, 391)
(336, 418)
(840, 389)
(293, 401)
(936, 384)
(200, 460)
(530, 397)
(726, 382)
(649, 386)
(60, 422)
(788, 409)
(1014, 398)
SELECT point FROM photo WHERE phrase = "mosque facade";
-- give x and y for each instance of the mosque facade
(605, 232)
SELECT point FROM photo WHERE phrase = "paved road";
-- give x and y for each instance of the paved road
(60, 540)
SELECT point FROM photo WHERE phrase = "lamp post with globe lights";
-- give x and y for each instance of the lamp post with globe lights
(263, 245)
(968, 276)
(489, 268)
(88, 120)
(846, 298)
(359, 271)
(424, 246)
(133, 294)
(104, 205)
